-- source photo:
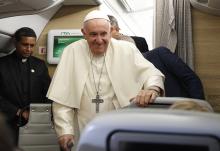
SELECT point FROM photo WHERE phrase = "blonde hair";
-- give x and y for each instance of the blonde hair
(189, 105)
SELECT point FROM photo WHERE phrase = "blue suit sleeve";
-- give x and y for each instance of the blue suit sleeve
(183, 72)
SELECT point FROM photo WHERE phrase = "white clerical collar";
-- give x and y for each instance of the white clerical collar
(23, 60)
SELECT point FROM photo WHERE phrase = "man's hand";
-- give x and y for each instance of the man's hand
(25, 114)
(66, 142)
(145, 97)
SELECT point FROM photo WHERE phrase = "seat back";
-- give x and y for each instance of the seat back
(152, 129)
(166, 102)
(39, 133)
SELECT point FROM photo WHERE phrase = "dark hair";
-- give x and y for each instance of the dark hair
(24, 31)
(113, 21)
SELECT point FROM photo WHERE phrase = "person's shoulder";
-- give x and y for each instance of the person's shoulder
(5, 58)
(123, 47)
(165, 53)
(37, 60)
(161, 49)
(77, 45)
(80, 42)
(122, 43)
(138, 38)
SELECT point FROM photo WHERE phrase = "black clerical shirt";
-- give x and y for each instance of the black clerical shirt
(24, 67)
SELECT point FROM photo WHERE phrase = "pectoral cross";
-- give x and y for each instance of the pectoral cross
(97, 101)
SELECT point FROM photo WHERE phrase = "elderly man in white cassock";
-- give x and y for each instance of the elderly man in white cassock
(98, 74)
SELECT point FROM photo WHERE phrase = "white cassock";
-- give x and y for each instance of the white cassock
(74, 84)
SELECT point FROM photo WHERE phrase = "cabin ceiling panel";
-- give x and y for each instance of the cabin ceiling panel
(136, 5)
(9, 8)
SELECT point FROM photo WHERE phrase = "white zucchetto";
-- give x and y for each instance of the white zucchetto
(96, 14)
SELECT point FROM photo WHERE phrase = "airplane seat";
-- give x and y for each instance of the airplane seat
(152, 129)
(6, 44)
(166, 102)
(39, 133)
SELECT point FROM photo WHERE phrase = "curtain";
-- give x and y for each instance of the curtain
(165, 33)
(173, 28)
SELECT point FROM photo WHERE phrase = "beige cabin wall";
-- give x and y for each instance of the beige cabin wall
(67, 17)
(206, 37)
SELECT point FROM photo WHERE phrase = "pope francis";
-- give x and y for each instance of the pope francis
(98, 74)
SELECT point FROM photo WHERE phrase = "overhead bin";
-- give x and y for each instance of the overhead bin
(10, 8)
(208, 6)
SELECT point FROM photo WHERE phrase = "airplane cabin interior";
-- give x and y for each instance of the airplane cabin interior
(58, 23)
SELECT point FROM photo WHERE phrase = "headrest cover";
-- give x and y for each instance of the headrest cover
(95, 14)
